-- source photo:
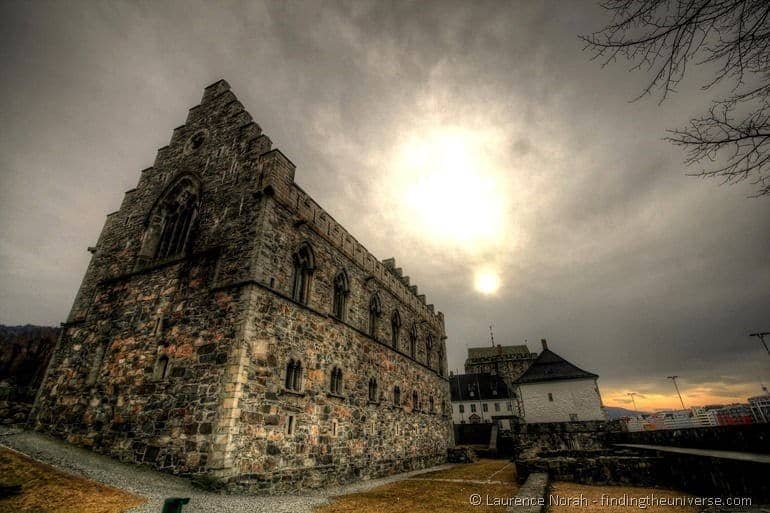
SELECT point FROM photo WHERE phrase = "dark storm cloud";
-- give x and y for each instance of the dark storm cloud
(628, 267)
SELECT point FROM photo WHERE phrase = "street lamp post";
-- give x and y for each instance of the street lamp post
(761, 336)
(674, 378)
(632, 394)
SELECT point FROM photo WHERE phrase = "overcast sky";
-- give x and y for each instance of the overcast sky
(463, 138)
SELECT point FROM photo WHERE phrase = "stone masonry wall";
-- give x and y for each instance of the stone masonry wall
(222, 315)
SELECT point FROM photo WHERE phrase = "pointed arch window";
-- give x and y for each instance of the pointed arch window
(397, 395)
(372, 390)
(375, 310)
(413, 342)
(304, 265)
(162, 368)
(440, 361)
(395, 328)
(294, 375)
(341, 291)
(415, 401)
(172, 221)
(335, 385)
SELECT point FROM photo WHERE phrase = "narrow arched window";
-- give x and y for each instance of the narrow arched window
(440, 361)
(413, 342)
(375, 310)
(304, 265)
(415, 401)
(294, 375)
(162, 368)
(395, 328)
(396, 396)
(341, 291)
(372, 390)
(335, 385)
(431, 404)
(172, 221)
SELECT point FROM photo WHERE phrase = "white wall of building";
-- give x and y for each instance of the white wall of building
(561, 401)
(485, 409)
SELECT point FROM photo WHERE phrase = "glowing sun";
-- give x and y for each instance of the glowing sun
(487, 282)
(452, 187)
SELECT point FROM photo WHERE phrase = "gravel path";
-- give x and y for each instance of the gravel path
(156, 486)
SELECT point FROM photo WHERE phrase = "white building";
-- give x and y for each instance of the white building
(554, 390)
(480, 399)
(760, 407)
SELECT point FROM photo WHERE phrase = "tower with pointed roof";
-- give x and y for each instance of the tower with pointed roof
(555, 390)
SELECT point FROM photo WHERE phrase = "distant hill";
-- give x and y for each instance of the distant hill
(616, 412)
(24, 353)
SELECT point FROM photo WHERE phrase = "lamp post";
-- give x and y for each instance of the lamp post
(761, 336)
(632, 394)
(674, 378)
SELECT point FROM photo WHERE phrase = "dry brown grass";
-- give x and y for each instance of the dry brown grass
(47, 490)
(594, 493)
(421, 495)
(482, 470)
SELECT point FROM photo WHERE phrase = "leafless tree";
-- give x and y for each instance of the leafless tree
(732, 140)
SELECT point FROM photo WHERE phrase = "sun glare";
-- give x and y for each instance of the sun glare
(451, 189)
(487, 282)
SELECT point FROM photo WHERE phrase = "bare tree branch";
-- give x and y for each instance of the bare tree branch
(663, 37)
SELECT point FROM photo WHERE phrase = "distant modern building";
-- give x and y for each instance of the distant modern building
(760, 408)
(555, 390)
(481, 399)
(734, 414)
(703, 416)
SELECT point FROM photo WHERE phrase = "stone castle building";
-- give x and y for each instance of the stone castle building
(227, 326)
(508, 362)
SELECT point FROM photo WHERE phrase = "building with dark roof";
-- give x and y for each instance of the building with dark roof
(481, 398)
(555, 390)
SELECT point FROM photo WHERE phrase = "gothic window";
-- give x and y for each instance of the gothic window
(375, 310)
(396, 396)
(304, 265)
(415, 401)
(162, 368)
(172, 221)
(395, 328)
(440, 362)
(372, 390)
(341, 291)
(335, 385)
(413, 342)
(431, 404)
(429, 343)
(294, 375)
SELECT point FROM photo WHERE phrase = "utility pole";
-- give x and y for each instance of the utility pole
(632, 394)
(761, 336)
(674, 378)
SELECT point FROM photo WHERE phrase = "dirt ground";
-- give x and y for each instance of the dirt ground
(435, 492)
(45, 489)
(594, 493)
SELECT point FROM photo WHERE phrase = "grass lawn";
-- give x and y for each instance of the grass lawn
(428, 493)
(594, 493)
(47, 490)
